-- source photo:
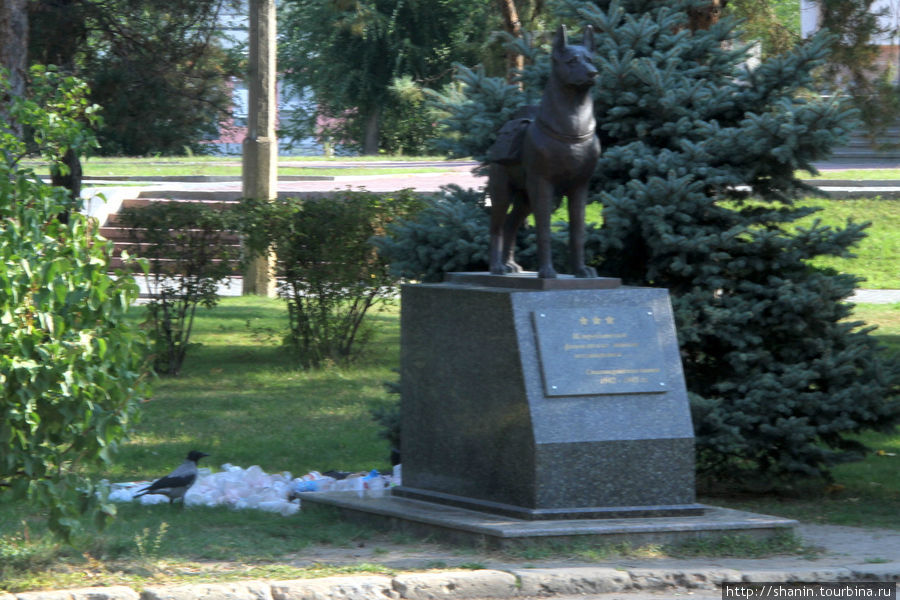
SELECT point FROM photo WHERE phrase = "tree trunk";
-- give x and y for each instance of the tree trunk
(370, 144)
(71, 180)
(58, 29)
(511, 24)
(14, 50)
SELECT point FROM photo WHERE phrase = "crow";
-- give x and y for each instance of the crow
(178, 482)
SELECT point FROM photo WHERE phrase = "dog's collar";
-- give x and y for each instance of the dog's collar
(562, 137)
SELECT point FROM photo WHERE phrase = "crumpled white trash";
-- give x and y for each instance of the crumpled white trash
(244, 488)
(232, 486)
(253, 488)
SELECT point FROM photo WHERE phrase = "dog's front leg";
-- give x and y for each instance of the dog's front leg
(577, 201)
(540, 193)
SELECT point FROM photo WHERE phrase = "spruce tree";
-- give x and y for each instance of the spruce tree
(698, 182)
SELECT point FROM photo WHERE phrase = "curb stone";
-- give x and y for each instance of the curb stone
(468, 585)
(238, 590)
(810, 574)
(877, 571)
(48, 595)
(583, 580)
(657, 579)
(113, 592)
(370, 587)
(483, 583)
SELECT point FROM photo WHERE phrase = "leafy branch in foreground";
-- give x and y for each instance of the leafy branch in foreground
(72, 366)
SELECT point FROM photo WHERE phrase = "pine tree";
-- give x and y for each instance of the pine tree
(698, 185)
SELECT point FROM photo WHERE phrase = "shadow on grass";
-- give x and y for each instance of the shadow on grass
(892, 342)
(864, 493)
(236, 358)
(218, 533)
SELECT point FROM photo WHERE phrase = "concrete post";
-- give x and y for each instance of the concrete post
(260, 149)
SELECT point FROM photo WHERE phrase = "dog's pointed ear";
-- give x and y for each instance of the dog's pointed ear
(562, 39)
(589, 38)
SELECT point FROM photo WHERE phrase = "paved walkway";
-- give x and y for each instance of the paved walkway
(457, 173)
(844, 555)
(876, 296)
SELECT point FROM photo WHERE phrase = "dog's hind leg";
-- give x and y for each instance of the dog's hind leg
(499, 192)
(514, 221)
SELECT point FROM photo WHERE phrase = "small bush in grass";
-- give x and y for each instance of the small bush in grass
(331, 274)
(188, 253)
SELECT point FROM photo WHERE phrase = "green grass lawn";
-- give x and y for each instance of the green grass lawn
(876, 255)
(241, 400)
(231, 165)
(875, 258)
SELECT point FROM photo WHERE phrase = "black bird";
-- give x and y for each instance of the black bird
(176, 484)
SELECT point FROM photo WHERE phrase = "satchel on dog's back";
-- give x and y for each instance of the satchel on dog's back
(544, 153)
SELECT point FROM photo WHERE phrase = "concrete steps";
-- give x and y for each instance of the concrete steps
(123, 238)
(861, 148)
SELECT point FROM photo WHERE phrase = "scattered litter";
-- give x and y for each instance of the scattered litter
(240, 488)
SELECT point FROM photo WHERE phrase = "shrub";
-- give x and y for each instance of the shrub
(331, 274)
(780, 381)
(449, 234)
(188, 252)
(72, 366)
(407, 124)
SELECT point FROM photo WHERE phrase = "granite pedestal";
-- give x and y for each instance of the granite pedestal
(566, 401)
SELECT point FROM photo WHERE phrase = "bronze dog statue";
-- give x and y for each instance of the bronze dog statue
(546, 152)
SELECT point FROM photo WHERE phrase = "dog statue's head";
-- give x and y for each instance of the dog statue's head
(573, 64)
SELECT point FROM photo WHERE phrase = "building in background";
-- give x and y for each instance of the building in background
(877, 146)
(888, 42)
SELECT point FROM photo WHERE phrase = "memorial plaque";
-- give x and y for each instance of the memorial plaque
(607, 350)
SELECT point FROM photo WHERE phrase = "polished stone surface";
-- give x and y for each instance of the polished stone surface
(529, 280)
(602, 351)
(482, 528)
(478, 422)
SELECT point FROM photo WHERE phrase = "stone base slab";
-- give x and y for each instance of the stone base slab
(532, 514)
(529, 280)
(470, 527)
